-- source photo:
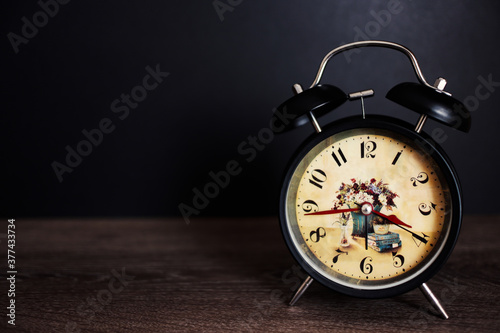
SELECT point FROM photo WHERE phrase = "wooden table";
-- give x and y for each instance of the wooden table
(222, 275)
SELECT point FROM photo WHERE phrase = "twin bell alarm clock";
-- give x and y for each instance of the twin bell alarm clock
(370, 205)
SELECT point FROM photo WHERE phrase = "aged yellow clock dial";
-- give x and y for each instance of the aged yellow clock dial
(393, 175)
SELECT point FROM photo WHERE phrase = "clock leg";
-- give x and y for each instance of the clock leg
(307, 282)
(433, 300)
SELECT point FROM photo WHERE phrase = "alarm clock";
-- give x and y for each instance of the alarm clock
(370, 205)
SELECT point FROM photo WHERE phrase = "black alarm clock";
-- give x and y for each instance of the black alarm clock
(370, 205)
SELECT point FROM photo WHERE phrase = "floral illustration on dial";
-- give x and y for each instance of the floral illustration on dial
(378, 194)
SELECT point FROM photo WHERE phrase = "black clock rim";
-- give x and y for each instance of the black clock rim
(400, 127)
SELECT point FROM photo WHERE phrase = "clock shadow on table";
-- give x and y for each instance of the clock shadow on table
(408, 311)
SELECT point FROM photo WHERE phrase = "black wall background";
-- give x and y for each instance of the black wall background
(225, 78)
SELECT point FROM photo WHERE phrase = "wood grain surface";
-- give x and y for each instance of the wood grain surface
(222, 275)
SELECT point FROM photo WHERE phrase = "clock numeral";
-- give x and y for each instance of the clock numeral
(397, 157)
(425, 209)
(397, 260)
(367, 149)
(365, 267)
(341, 154)
(422, 178)
(317, 234)
(336, 258)
(318, 176)
(309, 206)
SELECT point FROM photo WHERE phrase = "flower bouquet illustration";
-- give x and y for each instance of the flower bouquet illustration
(379, 195)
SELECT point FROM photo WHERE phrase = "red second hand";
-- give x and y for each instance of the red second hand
(334, 211)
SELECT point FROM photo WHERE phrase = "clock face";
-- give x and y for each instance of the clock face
(385, 172)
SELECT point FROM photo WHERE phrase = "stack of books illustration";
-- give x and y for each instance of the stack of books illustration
(381, 243)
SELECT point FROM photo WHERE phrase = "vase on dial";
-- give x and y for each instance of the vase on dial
(359, 221)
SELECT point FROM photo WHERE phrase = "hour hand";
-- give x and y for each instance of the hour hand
(334, 211)
(367, 209)
(392, 218)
